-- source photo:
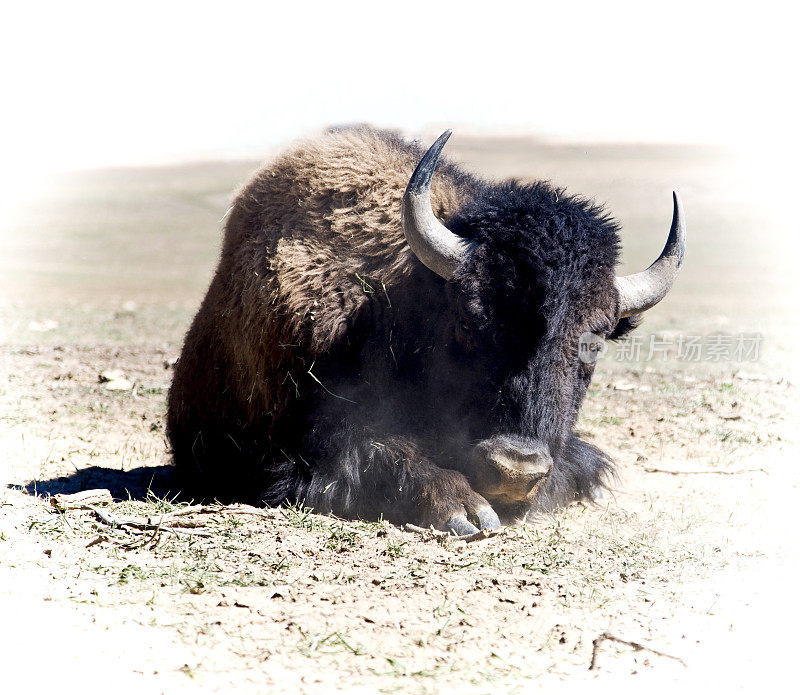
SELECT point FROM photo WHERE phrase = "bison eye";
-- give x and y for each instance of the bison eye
(602, 330)
(465, 327)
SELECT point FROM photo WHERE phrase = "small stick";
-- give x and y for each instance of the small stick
(184, 523)
(431, 532)
(480, 536)
(140, 542)
(637, 646)
(217, 509)
(78, 500)
(114, 522)
(185, 511)
(418, 529)
(738, 472)
(469, 537)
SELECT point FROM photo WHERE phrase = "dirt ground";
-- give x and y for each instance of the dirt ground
(683, 577)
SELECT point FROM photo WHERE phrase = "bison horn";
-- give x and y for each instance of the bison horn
(433, 243)
(641, 291)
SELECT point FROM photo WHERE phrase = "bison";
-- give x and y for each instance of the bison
(378, 342)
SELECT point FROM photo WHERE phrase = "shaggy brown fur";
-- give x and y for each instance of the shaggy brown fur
(300, 240)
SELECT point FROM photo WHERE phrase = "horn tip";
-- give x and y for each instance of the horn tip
(441, 141)
(678, 209)
(677, 237)
(677, 203)
(421, 178)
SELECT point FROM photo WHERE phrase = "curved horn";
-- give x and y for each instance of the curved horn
(433, 243)
(641, 291)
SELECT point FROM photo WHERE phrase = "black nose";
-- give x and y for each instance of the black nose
(509, 466)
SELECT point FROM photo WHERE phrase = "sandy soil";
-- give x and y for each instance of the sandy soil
(690, 555)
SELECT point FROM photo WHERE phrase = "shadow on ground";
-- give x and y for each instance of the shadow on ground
(137, 483)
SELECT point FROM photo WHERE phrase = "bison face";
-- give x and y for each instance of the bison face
(519, 307)
(530, 270)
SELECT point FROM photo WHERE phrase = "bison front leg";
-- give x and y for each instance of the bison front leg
(390, 479)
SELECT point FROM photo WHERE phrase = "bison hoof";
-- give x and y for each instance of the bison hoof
(461, 526)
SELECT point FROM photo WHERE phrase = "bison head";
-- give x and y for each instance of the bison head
(529, 271)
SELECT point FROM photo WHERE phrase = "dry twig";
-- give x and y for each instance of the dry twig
(737, 472)
(79, 500)
(170, 522)
(97, 541)
(480, 536)
(440, 535)
(425, 531)
(217, 509)
(637, 646)
(119, 522)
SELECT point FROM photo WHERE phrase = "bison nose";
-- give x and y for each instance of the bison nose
(510, 467)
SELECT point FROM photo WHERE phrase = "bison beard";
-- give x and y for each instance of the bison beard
(418, 366)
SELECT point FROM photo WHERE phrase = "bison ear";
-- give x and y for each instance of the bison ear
(625, 326)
